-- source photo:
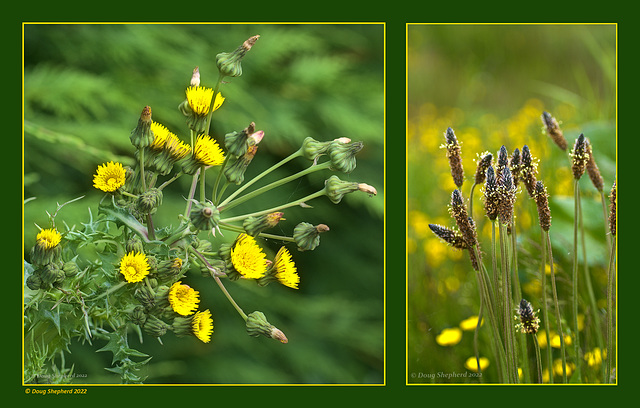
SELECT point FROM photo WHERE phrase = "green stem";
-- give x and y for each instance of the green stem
(215, 195)
(576, 212)
(313, 168)
(518, 295)
(473, 187)
(557, 307)
(235, 228)
(507, 296)
(109, 291)
(192, 193)
(171, 180)
(144, 182)
(539, 360)
(202, 184)
(274, 209)
(545, 308)
(128, 194)
(610, 291)
(259, 176)
(494, 267)
(213, 100)
(605, 211)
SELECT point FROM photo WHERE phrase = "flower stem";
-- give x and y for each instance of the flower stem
(192, 192)
(171, 180)
(576, 212)
(507, 296)
(539, 360)
(475, 338)
(518, 295)
(274, 209)
(557, 307)
(314, 167)
(610, 291)
(235, 228)
(545, 308)
(202, 184)
(213, 100)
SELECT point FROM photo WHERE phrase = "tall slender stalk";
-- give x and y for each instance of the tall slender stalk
(574, 280)
(518, 295)
(507, 296)
(610, 290)
(539, 360)
(545, 308)
(557, 307)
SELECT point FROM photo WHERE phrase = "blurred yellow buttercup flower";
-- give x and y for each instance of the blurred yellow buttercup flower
(202, 325)
(449, 337)
(470, 323)
(247, 257)
(48, 238)
(286, 271)
(183, 299)
(472, 364)
(109, 177)
(594, 357)
(134, 267)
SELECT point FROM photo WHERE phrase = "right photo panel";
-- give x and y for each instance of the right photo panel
(511, 204)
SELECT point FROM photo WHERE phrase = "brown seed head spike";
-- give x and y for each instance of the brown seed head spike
(451, 237)
(593, 171)
(506, 196)
(528, 171)
(542, 202)
(612, 210)
(579, 157)
(553, 130)
(483, 163)
(503, 161)
(490, 195)
(515, 166)
(454, 156)
(466, 227)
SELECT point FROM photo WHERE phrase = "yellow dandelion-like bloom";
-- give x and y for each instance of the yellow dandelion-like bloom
(177, 148)
(183, 299)
(202, 325)
(470, 323)
(594, 358)
(449, 337)
(48, 238)
(134, 266)
(472, 364)
(285, 269)
(160, 135)
(109, 177)
(199, 99)
(247, 257)
(207, 152)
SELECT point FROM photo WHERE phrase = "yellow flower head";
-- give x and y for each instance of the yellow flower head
(177, 148)
(134, 266)
(160, 135)
(202, 325)
(285, 269)
(594, 357)
(470, 323)
(109, 177)
(199, 99)
(472, 364)
(207, 152)
(48, 238)
(449, 337)
(247, 257)
(183, 299)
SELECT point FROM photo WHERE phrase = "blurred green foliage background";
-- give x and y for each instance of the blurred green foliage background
(84, 89)
(491, 83)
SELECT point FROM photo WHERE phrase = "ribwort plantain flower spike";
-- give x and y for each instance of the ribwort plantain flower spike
(553, 130)
(542, 203)
(592, 169)
(612, 210)
(529, 321)
(465, 224)
(579, 157)
(490, 195)
(506, 195)
(454, 156)
(529, 171)
(515, 167)
(450, 236)
(484, 161)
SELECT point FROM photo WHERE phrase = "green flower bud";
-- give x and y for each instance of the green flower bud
(142, 136)
(307, 236)
(149, 201)
(52, 274)
(335, 188)
(70, 269)
(236, 142)
(170, 269)
(229, 63)
(137, 316)
(162, 299)
(255, 225)
(257, 325)
(343, 155)
(202, 245)
(197, 123)
(312, 149)
(204, 216)
(181, 326)
(134, 185)
(145, 296)
(235, 172)
(134, 244)
(34, 281)
(155, 327)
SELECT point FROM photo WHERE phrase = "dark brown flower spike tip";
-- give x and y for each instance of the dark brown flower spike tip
(454, 156)
(553, 130)
(579, 157)
(542, 202)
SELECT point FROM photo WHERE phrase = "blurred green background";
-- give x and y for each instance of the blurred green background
(84, 89)
(491, 83)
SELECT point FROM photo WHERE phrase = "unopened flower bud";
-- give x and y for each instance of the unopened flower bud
(343, 155)
(34, 281)
(47, 248)
(138, 316)
(142, 136)
(52, 274)
(195, 77)
(134, 244)
(70, 269)
(170, 268)
(365, 188)
(235, 172)
(145, 296)
(204, 216)
(335, 188)
(255, 225)
(229, 63)
(155, 327)
(257, 325)
(311, 149)
(238, 142)
(307, 236)
(149, 201)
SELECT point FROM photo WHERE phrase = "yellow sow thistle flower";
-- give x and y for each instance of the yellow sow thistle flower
(207, 152)
(247, 257)
(160, 135)
(202, 325)
(134, 267)
(286, 271)
(199, 99)
(183, 299)
(109, 177)
(449, 337)
(48, 238)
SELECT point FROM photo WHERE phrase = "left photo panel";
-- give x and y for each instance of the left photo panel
(203, 204)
